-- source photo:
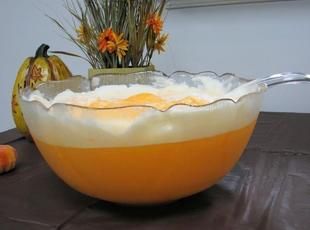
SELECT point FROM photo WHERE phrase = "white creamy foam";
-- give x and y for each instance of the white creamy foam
(207, 89)
(83, 127)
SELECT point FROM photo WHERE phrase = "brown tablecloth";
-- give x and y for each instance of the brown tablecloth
(268, 189)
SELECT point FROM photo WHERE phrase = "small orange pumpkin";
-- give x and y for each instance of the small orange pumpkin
(8, 158)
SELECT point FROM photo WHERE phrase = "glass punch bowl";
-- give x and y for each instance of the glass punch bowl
(140, 154)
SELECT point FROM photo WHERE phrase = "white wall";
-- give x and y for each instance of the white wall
(252, 40)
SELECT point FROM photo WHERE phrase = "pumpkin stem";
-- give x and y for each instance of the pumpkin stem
(42, 51)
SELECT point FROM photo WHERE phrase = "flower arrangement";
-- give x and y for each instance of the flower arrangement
(117, 33)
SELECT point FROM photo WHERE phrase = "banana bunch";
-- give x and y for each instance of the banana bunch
(33, 71)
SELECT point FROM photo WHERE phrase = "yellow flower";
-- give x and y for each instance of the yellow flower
(160, 43)
(119, 45)
(154, 21)
(82, 34)
(104, 37)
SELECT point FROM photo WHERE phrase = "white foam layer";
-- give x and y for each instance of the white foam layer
(83, 127)
(207, 89)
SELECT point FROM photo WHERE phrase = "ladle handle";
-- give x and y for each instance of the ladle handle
(285, 78)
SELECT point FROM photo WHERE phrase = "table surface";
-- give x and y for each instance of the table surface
(268, 189)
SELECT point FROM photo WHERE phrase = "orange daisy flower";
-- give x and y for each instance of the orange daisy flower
(119, 45)
(160, 43)
(154, 21)
(103, 39)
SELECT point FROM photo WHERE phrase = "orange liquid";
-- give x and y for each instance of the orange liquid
(148, 174)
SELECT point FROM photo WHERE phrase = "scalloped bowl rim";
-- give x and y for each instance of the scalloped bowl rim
(262, 87)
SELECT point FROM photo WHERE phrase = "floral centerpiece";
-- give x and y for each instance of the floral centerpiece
(117, 33)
